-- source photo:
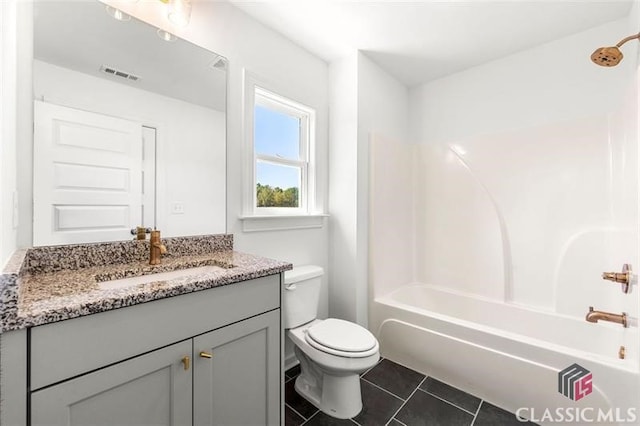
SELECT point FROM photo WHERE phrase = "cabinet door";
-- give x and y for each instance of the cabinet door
(152, 389)
(240, 383)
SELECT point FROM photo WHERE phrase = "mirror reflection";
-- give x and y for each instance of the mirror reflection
(129, 128)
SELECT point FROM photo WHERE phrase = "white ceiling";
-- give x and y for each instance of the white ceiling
(80, 35)
(419, 41)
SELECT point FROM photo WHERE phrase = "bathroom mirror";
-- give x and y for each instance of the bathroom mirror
(129, 128)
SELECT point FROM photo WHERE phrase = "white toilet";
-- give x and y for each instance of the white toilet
(332, 352)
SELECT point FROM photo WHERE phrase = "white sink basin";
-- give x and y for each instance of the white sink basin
(161, 276)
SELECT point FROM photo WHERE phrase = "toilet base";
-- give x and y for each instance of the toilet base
(334, 393)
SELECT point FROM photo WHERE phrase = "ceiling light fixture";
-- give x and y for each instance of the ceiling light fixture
(166, 36)
(179, 12)
(117, 14)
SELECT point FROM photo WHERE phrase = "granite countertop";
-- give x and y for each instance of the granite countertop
(35, 290)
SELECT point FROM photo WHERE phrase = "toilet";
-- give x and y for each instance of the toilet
(332, 352)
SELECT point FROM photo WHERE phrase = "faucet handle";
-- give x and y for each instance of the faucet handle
(140, 232)
(624, 277)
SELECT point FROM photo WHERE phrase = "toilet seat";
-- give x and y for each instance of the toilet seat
(341, 338)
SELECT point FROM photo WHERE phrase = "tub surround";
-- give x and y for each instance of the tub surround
(42, 285)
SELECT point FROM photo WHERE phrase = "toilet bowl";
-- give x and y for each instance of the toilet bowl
(332, 352)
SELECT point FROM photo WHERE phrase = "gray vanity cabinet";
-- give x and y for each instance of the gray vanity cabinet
(130, 367)
(240, 383)
(151, 389)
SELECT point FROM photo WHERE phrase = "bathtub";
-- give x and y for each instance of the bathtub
(511, 355)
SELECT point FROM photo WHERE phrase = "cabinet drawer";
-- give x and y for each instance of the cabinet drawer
(66, 349)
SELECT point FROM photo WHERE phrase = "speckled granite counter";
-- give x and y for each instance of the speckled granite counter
(49, 284)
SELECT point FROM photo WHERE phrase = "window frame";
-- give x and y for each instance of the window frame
(261, 96)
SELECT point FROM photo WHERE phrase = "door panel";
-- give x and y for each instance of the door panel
(87, 180)
(239, 384)
(152, 389)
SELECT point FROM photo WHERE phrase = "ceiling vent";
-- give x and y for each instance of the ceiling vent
(118, 73)
(218, 63)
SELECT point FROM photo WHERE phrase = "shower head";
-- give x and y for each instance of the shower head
(612, 55)
(607, 56)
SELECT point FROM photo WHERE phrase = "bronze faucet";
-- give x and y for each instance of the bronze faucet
(595, 316)
(157, 249)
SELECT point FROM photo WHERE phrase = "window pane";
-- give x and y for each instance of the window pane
(276, 133)
(277, 185)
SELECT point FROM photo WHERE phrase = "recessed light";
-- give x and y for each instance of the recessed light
(166, 36)
(117, 14)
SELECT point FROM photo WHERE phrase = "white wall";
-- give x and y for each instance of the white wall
(343, 157)
(24, 119)
(16, 123)
(526, 177)
(191, 149)
(383, 112)
(8, 77)
(365, 101)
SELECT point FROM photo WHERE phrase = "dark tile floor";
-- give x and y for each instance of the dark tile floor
(395, 395)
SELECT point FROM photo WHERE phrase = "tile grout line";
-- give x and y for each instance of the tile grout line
(307, 420)
(448, 402)
(382, 389)
(379, 361)
(295, 411)
(408, 398)
(404, 401)
(477, 411)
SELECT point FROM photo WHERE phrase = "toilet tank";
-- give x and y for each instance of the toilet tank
(301, 295)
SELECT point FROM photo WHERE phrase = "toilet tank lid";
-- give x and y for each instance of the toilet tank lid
(301, 273)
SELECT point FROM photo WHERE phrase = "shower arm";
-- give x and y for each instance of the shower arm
(626, 39)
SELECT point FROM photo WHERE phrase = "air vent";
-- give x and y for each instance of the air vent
(218, 63)
(118, 73)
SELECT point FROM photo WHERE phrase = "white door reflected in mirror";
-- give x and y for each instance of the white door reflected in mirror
(177, 100)
(88, 176)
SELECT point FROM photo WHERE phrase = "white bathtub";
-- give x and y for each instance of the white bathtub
(510, 355)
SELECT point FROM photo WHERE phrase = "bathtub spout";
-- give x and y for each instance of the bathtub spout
(595, 316)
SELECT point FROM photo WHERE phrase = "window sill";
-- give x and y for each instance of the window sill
(281, 222)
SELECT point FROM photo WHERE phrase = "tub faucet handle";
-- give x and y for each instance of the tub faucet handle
(624, 277)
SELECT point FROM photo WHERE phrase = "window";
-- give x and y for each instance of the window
(282, 144)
